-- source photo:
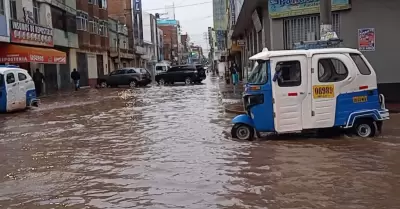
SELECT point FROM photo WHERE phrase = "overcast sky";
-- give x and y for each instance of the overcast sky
(194, 20)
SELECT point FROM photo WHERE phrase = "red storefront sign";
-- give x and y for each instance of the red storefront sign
(27, 33)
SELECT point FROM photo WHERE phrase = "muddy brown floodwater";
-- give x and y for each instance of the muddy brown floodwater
(169, 147)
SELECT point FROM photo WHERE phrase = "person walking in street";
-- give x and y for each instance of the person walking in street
(76, 76)
(38, 79)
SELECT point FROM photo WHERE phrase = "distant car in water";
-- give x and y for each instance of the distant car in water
(182, 73)
(133, 77)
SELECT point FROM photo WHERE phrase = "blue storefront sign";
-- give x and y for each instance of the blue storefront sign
(167, 22)
(233, 12)
(287, 8)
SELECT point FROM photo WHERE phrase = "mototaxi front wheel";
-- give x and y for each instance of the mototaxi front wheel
(242, 132)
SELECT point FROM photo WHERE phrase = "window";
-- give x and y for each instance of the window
(94, 26)
(259, 73)
(331, 70)
(121, 72)
(361, 65)
(21, 77)
(131, 71)
(36, 11)
(13, 9)
(103, 4)
(288, 73)
(2, 12)
(10, 78)
(103, 28)
(1, 79)
(82, 21)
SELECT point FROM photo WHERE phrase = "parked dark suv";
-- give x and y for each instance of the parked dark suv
(127, 76)
(182, 73)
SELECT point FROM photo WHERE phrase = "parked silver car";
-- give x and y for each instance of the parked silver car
(133, 77)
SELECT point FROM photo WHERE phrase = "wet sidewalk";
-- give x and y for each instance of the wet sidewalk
(231, 97)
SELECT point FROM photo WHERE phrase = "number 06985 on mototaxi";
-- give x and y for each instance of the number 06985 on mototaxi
(318, 89)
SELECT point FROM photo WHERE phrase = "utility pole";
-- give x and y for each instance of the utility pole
(325, 18)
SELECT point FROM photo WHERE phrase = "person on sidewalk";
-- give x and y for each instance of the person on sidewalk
(234, 73)
(38, 79)
(76, 76)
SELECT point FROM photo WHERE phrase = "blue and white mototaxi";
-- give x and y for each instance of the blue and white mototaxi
(17, 90)
(317, 89)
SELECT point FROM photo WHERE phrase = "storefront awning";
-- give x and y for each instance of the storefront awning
(244, 20)
(11, 53)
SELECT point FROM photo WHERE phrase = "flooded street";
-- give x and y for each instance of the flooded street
(170, 147)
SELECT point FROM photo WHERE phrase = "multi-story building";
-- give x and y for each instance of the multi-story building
(4, 21)
(129, 12)
(92, 55)
(279, 24)
(65, 40)
(120, 55)
(149, 40)
(160, 47)
(220, 25)
(170, 30)
(32, 40)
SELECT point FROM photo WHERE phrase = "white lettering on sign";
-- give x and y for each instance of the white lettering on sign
(14, 59)
(36, 58)
(59, 59)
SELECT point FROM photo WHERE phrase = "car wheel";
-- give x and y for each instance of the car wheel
(103, 84)
(365, 128)
(161, 82)
(188, 81)
(133, 84)
(242, 132)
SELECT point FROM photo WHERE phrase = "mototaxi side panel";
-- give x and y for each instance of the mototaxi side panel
(3, 94)
(344, 89)
(18, 90)
(290, 92)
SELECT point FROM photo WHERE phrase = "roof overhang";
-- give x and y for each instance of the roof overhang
(244, 20)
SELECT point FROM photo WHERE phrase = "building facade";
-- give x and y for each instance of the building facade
(220, 19)
(65, 38)
(92, 55)
(149, 40)
(32, 44)
(171, 32)
(4, 21)
(120, 55)
(278, 25)
(129, 12)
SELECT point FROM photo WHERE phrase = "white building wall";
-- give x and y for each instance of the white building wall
(146, 27)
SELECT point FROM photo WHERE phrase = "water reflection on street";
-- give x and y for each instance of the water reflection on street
(170, 147)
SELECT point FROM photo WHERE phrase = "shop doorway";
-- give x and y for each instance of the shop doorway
(83, 68)
(100, 66)
(50, 78)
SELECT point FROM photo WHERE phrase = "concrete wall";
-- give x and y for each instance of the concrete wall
(384, 17)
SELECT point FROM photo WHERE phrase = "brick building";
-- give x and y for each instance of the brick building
(92, 57)
(170, 48)
(131, 16)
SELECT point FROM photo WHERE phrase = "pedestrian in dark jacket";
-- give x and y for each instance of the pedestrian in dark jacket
(38, 79)
(76, 76)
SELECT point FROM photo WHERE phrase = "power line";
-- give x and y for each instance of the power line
(182, 6)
